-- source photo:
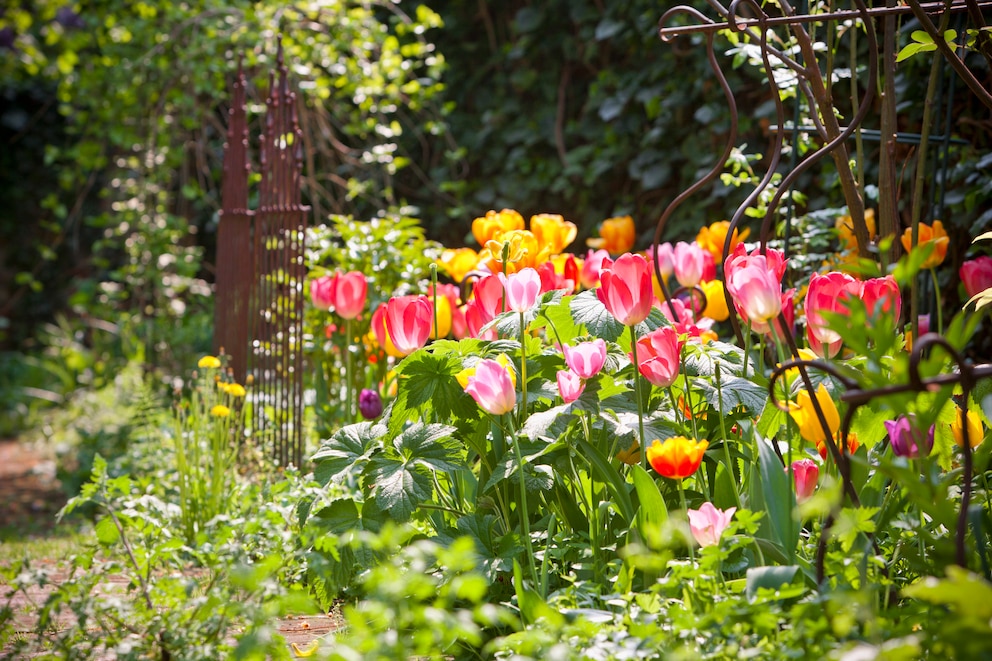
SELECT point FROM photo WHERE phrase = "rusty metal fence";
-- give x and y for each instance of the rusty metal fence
(258, 321)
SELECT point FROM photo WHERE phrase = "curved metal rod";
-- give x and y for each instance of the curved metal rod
(842, 137)
(763, 21)
(717, 168)
(695, 294)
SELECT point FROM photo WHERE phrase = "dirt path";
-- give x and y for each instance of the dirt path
(30, 497)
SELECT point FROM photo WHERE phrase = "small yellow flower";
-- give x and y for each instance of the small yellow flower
(973, 422)
(716, 302)
(220, 411)
(616, 235)
(234, 390)
(209, 362)
(804, 414)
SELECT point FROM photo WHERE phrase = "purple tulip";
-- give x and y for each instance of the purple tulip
(369, 404)
(907, 439)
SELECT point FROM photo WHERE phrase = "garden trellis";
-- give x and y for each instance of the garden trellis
(260, 266)
(813, 87)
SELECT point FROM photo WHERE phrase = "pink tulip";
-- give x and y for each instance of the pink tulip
(489, 292)
(755, 284)
(408, 321)
(658, 356)
(626, 289)
(476, 318)
(592, 266)
(827, 293)
(522, 289)
(570, 385)
(976, 274)
(708, 523)
(693, 264)
(665, 257)
(491, 387)
(805, 473)
(348, 294)
(586, 358)
(819, 348)
(321, 292)
(923, 323)
(882, 294)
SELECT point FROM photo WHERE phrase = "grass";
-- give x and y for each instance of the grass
(54, 545)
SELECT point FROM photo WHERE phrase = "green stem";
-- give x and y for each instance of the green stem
(349, 394)
(523, 372)
(685, 508)
(936, 293)
(726, 440)
(637, 396)
(524, 511)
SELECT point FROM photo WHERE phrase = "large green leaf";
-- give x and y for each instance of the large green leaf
(399, 486)
(346, 452)
(587, 310)
(772, 493)
(429, 377)
(652, 512)
(733, 392)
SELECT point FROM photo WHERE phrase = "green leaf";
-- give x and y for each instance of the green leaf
(776, 579)
(965, 593)
(346, 453)
(106, 531)
(652, 513)
(773, 494)
(606, 473)
(587, 310)
(399, 487)
(401, 474)
(430, 446)
(733, 392)
(429, 377)
(851, 522)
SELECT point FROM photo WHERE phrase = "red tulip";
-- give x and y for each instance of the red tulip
(805, 473)
(827, 293)
(976, 274)
(348, 292)
(658, 356)
(489, 293)
(321, 292)
(883, 294)
(626, 289)
(406, 322)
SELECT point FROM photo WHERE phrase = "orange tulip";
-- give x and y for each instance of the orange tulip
(616, 235)
(676, 458)
(495, 223)
(553, 230)
(936, 234)
(845, 230)
(713, 238)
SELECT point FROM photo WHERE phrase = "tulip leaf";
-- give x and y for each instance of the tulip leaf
(773, 494)
(768, 583)
(346, 452)
(603, 470)
(652, 512)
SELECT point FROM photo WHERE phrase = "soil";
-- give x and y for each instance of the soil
(31, 496)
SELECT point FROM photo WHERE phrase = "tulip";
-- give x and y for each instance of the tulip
(504, 360)
(827, 293)
(631, 455)
(321, 292)
(447, 309)
(495, 223)
(616, 235)
(755, 287)
(716, 302)
(805, 473)
(491, 387)
(553, 230)
(476, 318)
(976, 274)
(406, 322)
(570, 385)
(369, 403)
(459, 262)
(973, 423)
(522, 289)
(804, 414)
(852, 446)
(929, 234)
(626, 289)
(347, 291)
(514, 250)
(708, 523)
(819, 348)
(586, 359)
(665, 257)
(676, 458)
(845, 230)
(592, 266)
(658, 356)
(714, 238)
(907, 439)
(489, 292)
(693, 264)
(882, 294)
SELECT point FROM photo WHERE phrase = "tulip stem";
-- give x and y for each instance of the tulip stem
(524, 511)
(723, 433)
(936, 293)
(637, 396)
(685, 508)
(523, 372)
(348, 385)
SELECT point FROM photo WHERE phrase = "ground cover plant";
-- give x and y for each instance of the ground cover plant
(542, 445)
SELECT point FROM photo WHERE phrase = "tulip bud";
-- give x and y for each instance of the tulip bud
(369, 404)
(805, 473)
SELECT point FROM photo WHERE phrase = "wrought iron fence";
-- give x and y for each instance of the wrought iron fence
(260, 266)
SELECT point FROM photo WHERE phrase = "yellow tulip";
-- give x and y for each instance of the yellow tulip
(553, 230)
(713, 237)
(973, 422)
(845, 230)
(804, 414)
(457, 263)
(495, 223)
(716, 302)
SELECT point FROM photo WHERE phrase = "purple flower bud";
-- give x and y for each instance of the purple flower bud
(907, 439)
(369, 404)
